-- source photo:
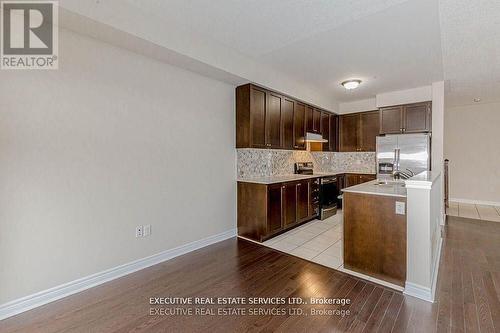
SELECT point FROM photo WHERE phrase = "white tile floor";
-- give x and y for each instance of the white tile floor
(317, 241)
(320, 242)
(480, 212)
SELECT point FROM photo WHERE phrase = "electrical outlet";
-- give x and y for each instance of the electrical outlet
(400, 208)
(147, 230)
(138, 231)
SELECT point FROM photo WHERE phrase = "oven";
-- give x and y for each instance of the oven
(328, 196)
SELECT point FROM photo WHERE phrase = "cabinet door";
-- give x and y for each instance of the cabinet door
(258, 107)
(366, 178)
(351, 179)
(273, 120)
(391, 120)
(310, 118)
(325, 130)
(316, 121)
(333, 133)
(349, 132)
(289, 204)
(302, 201)
(300, 126)
(274, 208)
(417, 118)
(369, 128)
(287, 116)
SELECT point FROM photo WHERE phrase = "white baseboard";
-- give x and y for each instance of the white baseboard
(475, 202)
(426, 293)
(46, 296)
(418, 291)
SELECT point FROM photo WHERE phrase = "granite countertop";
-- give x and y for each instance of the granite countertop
(293, 177)
(396, 189)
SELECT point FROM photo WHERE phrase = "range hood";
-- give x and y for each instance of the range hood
(313, 137)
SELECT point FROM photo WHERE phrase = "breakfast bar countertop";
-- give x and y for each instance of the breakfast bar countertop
(393, 189)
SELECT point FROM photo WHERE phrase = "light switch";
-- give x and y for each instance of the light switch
(400, 208)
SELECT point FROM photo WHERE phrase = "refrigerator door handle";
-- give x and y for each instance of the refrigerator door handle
(396, 159)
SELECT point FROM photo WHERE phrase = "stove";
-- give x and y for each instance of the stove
(326, 196)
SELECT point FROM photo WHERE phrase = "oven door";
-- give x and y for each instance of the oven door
(329, 191)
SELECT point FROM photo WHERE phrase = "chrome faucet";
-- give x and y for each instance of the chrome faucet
(397, 174)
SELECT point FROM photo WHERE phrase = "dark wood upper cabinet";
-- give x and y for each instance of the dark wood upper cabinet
(288, 126)
(325, 130)
(417, 118)
(358, 131)
(258, 118)
(273, 120)
(317, 121)
(391, 120)
(300, 126)
(310, 119)
(349, 132)
(369, 129)
(274, 211)
(333, 140)
(411, 118)
(267, 119)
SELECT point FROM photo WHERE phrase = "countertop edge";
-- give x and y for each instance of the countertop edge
(362, 189)
(295, 177)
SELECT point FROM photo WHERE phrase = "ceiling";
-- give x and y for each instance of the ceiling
(389, 44)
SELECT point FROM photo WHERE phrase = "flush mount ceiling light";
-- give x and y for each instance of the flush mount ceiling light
(351, 84)
(477, 100)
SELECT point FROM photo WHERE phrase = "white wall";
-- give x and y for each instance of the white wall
(369, 104)
(472, 145)
(420, 94)
(109, 141)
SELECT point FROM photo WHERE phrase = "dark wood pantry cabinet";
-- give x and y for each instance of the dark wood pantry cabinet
(358, 131)
(266, 210)
(410, 118)
(268, 119)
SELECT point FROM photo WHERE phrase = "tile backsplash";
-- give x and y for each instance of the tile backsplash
(271, 162)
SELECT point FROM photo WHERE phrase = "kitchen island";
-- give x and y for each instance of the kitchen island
(375, 230)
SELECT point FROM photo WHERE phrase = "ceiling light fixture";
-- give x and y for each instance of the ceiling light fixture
(351, 84)
(477, 100)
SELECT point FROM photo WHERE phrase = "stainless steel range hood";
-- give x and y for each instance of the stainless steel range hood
(313, 137)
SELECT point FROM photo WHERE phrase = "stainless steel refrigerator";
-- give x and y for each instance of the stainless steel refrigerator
(403, 152)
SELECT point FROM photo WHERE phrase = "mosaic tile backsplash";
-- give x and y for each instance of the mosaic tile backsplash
(270, 162)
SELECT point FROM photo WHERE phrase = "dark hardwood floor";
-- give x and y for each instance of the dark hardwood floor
(467, 296)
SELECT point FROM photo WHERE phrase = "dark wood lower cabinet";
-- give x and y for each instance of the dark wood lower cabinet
(289, 203)
(352, 179)
(266, 210)
(275, 211)
(375, 244)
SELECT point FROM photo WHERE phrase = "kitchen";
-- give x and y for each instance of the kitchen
(270, 166)
(332, 188)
